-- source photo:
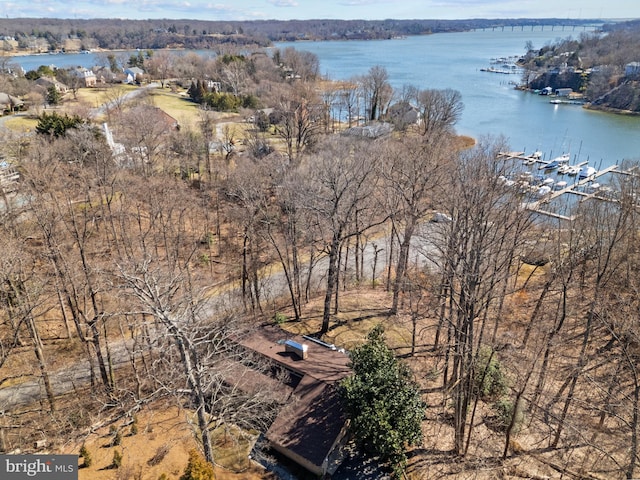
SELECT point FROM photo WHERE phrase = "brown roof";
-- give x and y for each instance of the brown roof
(324, 364)
(311, 423)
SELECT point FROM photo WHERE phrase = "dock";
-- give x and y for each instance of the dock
(536, 205)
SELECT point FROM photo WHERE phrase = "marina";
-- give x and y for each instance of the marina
(542, 192)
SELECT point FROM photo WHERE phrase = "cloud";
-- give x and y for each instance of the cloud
(283, 3)
(364, 3)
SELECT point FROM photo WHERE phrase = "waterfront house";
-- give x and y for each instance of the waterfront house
(632, 69)
(402, 114)
(311, 427)
(105, 75)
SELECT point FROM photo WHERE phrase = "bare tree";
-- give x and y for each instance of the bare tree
(300, 121)
(377, 91)
(23, 299)
(476, 254)
(343, 183)
(160, 65)
(350, 101)
(412, 172)
(439, 110)
(159, 280)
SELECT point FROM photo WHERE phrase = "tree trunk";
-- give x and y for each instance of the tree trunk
(334, 252)
(38, 349)
(401, 268)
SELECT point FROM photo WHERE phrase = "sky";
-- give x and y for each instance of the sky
(318, 9)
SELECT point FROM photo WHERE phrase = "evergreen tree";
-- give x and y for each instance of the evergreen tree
(198, 468)
(197, 91)
(57, 125)
(383, 402)
(53, 95)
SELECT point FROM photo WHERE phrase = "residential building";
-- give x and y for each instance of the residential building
(311, 428)
(87, 77)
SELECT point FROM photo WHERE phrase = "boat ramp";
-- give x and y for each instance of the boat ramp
(580, 187)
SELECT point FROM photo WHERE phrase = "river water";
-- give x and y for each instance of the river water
(491, 104)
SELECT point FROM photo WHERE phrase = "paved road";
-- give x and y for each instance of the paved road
(62, 381)
(102, 109)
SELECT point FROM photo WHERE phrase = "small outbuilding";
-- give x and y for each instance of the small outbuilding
(563, 92)
(632, 69)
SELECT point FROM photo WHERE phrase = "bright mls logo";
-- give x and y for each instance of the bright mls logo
(41, 467)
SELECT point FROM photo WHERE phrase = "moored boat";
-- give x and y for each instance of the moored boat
(586, 172)
(544, 190)
(573, 170)
(556, 162)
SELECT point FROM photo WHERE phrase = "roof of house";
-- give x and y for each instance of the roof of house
(6, 99)
(83, 73)
(155, 113)
(310, 425)
(134, 71)
(48, 81)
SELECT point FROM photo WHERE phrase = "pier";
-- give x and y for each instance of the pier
(573, 188)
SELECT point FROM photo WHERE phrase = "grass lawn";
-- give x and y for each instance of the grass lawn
(21, 123)
(178, 106)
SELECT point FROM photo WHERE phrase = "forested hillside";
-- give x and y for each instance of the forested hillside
(139, 250)
(599, 65)
(113, 34)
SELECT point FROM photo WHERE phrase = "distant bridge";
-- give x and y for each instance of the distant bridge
(541, 28)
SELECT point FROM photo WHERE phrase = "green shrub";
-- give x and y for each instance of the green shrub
(134, 426)
(117, 459)
(57, 125)
(86, 456)
(279, 318)
(504, 410)
(490, 379)
(117, 439)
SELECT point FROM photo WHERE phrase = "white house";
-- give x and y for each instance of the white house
(132, 74)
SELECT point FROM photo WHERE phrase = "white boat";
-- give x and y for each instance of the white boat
(573, 170)
(586, 172)
(555, 162)
(543, 190)
(533, 158)
(565, 168)
(561, 185)
(548, 181)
